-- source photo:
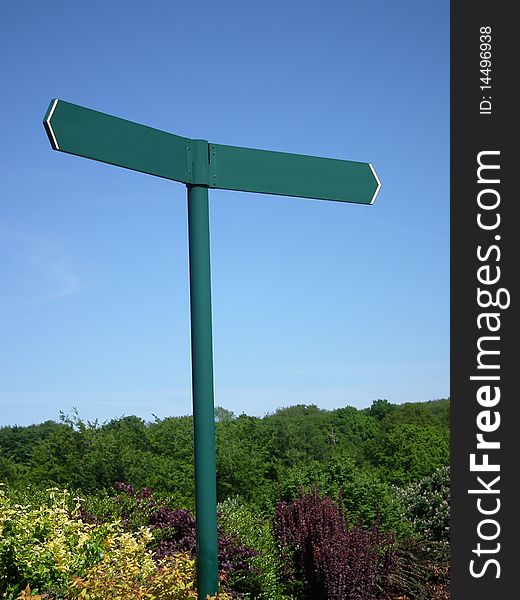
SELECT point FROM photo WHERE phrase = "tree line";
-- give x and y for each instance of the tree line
(259, 459)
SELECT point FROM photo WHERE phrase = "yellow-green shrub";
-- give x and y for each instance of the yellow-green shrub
(122, 573)
(128, 574)
(44, 545)
(47, 545)
(175, 578)
(46, 550)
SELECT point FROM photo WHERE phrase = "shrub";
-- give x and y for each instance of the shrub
(48, 551)
(173, 530)
(417, 576)
(45, 545)
(264, 580)
(365, 497)
(427, 506)
(132, 573)
(9, 470)
(123, 571)
(334, 561)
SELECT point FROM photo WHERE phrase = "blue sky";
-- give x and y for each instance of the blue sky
(316, 302)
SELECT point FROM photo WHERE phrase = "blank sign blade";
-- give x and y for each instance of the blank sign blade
(92, 134)
(284, 174)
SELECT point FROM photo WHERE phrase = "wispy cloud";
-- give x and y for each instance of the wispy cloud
(53, 262)
(44, 264)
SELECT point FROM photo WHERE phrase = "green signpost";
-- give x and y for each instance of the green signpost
(201, 165)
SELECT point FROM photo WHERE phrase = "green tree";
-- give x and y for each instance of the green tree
(223, 414)
(77, 455)
(408, 452)
(9, 470)
(380, 409)
(365, 497)
(243, 465)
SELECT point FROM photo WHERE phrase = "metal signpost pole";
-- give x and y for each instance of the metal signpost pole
(202, 378)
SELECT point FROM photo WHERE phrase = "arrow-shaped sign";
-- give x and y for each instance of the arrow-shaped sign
(92, 134)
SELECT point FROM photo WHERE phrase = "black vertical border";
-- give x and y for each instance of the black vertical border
(472, 133)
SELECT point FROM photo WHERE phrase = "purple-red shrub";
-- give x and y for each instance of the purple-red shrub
(336, 562)
(175, 532)
(173, 529)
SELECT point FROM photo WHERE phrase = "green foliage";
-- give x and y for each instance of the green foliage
(48, 551)
(242, 460)
(253, 531)
(423, 566)
(171, 460)
(301, 433)
(435, 413)
(76, 455)
(366, 498)
(44, 545)
(175, 579)
(418, 576)
(254, 455)
(8, 470)
(407, 452)
(17, 443)
(364, 454)
(129, 572)
(427, 505)
(223, 414)
(380, 409)
(123, 570)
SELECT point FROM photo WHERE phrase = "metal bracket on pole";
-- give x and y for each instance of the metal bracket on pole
(213, 180)
(197, 162)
